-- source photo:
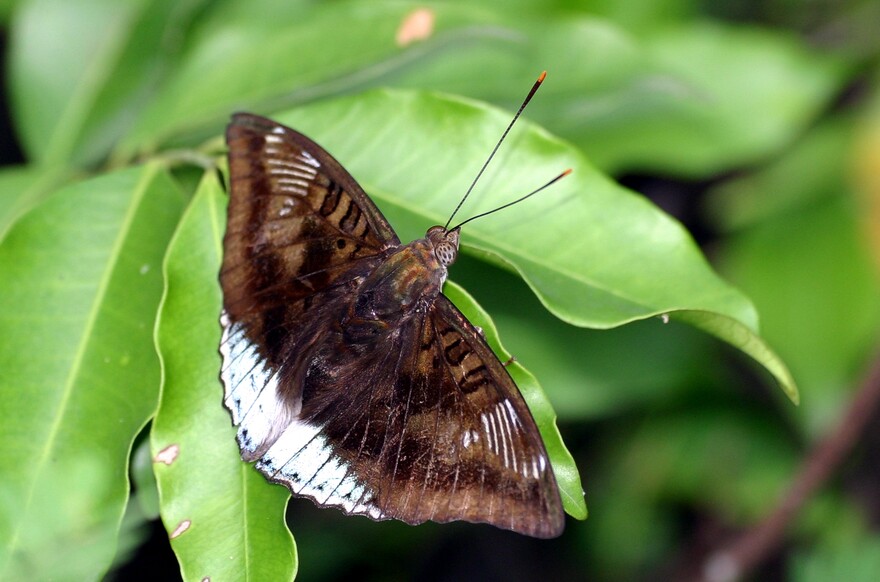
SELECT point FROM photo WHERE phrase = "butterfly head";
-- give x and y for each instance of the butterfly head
(445, 243)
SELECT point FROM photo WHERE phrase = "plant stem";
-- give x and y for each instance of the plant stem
(753, 546)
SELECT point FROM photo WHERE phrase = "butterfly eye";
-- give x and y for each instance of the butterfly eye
(446, 253)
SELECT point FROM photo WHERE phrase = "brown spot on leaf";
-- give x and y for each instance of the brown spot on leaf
(167, 455)
(417, 25)
(181, 527)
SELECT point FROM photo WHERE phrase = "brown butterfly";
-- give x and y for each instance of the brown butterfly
(352, 379)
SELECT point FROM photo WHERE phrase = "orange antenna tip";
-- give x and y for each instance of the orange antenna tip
(567, 172)
(494, 150)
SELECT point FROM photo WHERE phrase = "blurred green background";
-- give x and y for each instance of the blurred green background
(755, 124)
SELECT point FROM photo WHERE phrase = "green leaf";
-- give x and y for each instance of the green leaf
(595, 254)
(6, 9)
(21, 188)
(144, 480)
(731, 459)
(581, 368)
(854, 562)
(673, 99)
(676, 99)
(691, 115)
(820, 161)
(644, 15)
(740, 336)
(281, 53)
(562, 461)
(225, 520)
(821, 296)
(81, 70)
(80, 287)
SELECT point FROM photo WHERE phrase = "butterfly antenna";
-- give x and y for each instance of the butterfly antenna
(518, 200)
(504, 135)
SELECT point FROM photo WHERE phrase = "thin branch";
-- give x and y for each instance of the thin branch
(753, 546)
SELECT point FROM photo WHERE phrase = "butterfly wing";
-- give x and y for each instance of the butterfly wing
(425, 424)
(467, 446)
(300, 230)
(295, 216)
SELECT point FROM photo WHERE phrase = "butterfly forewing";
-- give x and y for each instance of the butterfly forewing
(297, 220)
(405, 415)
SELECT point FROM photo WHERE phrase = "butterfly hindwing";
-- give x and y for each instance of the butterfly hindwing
(427, 426)
(488, 462)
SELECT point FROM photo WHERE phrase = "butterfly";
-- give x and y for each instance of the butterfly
(351, 378)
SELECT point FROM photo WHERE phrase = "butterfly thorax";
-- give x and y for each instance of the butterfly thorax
(402, 286)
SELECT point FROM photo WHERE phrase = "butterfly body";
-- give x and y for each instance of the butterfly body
(404, 285)
(352, 379)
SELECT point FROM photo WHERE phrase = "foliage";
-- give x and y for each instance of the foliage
(110, 244)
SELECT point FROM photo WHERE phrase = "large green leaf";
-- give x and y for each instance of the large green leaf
(595, 254)
(80, 283)
(747, 93)
(631, 102)
(678, 100)
(80, 70)
(581, 368)
(642, 15)
(281, 53)
(225, 520)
